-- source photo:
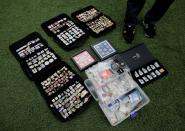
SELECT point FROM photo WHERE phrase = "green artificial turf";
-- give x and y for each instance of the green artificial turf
(22, 107)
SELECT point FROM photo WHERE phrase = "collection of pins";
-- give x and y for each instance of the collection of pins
(119, 95)
(63, 88)
(29, 48)
(148, 73)
(100, 24)
(33, 54)
(83, 60)
(57, 80)
(88, 15)
(93, 19)
(71, 100)
(66, 31)
(68, 93)
(122, 107)
(40, 60)
(104, 49)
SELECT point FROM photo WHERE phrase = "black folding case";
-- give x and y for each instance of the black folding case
(49, 98)
(46, 73)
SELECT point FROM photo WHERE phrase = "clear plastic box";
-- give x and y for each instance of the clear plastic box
(118, 95)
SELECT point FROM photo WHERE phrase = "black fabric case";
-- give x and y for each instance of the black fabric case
(46, 73)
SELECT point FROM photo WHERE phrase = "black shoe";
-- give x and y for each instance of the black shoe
(128, 33)
(150, 30)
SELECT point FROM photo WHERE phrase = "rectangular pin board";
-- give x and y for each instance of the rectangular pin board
(83, 60)
(95, 22)
(142, 65)
(27, 46)
(65, 31)
(32, 54)
(62, 83)
(104, 49)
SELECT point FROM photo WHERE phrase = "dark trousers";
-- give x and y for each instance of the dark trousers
(152, 16)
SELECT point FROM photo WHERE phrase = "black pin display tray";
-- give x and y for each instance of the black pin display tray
(86, 27)
(49, 98)
(22, 61)
(23, 42)
(75, 44)
(47, 72)
(139, 58)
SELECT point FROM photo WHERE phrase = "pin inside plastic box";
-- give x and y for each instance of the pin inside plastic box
(118, 95)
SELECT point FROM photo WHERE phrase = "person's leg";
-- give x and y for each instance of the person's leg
(133, 9)
(155, 14)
